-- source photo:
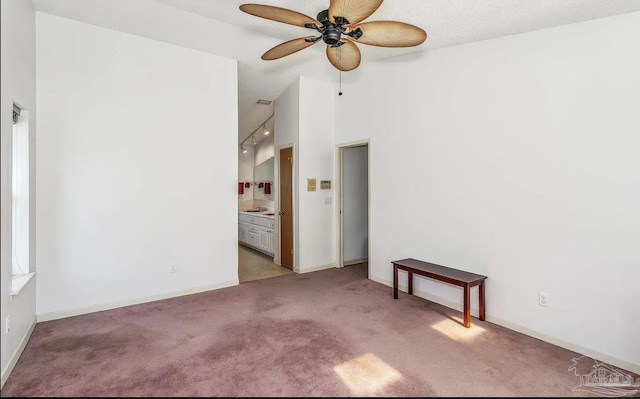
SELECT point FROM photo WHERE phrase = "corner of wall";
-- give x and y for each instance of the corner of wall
(6, 371)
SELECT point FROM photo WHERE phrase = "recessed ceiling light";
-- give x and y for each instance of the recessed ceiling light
(263, 102)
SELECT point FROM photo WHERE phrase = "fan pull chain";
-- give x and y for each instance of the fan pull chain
(340, 92)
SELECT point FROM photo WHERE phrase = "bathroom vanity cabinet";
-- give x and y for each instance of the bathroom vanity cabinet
(257, 230)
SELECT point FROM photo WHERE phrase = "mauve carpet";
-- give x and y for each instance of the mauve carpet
(328, 333)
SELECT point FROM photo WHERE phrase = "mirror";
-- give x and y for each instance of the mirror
(263, 181)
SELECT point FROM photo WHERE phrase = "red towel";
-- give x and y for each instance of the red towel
(261, 185)
(247, 185)
(267, 188)
(240, 188)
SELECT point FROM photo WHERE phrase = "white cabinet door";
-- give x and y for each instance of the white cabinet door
(242, 233)
(252, 239)
(272, 242)
(263, 239)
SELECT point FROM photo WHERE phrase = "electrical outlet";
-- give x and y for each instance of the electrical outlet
(173, 269)
(7, 327)
(543, 299)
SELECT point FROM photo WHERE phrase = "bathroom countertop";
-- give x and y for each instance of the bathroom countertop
(267, 214)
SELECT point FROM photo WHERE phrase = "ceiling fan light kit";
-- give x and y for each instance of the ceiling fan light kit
(340, 29)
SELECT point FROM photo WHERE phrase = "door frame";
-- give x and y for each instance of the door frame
(340, 198)
(278, 259)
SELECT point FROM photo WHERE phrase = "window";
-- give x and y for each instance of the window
(20, 195)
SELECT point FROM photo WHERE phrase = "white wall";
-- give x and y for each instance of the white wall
(316, 160)
(137, 168)
(17, 84)
(305, 118)
(264, 149)
(355, 203)
(516, 158)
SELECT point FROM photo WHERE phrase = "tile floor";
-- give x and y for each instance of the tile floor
(254, 265)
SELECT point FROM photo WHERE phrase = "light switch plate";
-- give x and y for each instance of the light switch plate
(311, 184)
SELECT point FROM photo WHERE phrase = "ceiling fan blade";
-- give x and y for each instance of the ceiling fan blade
(353, 10)
(390, 34)
(345, 57)
(279, 14)
(287, 48)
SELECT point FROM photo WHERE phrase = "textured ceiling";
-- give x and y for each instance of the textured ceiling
(219, 27)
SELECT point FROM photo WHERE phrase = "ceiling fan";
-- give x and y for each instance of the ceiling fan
(340, 27)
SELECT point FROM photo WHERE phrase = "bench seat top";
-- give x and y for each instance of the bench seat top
(444, 271)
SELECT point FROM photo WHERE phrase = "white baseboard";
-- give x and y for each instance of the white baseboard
(316, 268)
(583, 350)
(354, 261)
(119, 304)
(16, 354)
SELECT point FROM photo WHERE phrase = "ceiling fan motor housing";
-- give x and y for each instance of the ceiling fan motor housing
(331, 33)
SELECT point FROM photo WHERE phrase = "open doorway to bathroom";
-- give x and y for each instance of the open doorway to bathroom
(257, 227)
(353, 210)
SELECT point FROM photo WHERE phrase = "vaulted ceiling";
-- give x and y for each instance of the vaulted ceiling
(219, 27)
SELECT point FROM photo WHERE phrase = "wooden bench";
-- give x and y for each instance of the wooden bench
(449, 275)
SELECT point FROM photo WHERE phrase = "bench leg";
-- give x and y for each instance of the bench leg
(395, 281)
(481, 300)
(410, 280)
(467, 306)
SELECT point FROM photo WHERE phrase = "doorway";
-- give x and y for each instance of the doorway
(286, 206)
(258, 248)
(353, 211)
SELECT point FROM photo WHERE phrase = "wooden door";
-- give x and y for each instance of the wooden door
(286, 207)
